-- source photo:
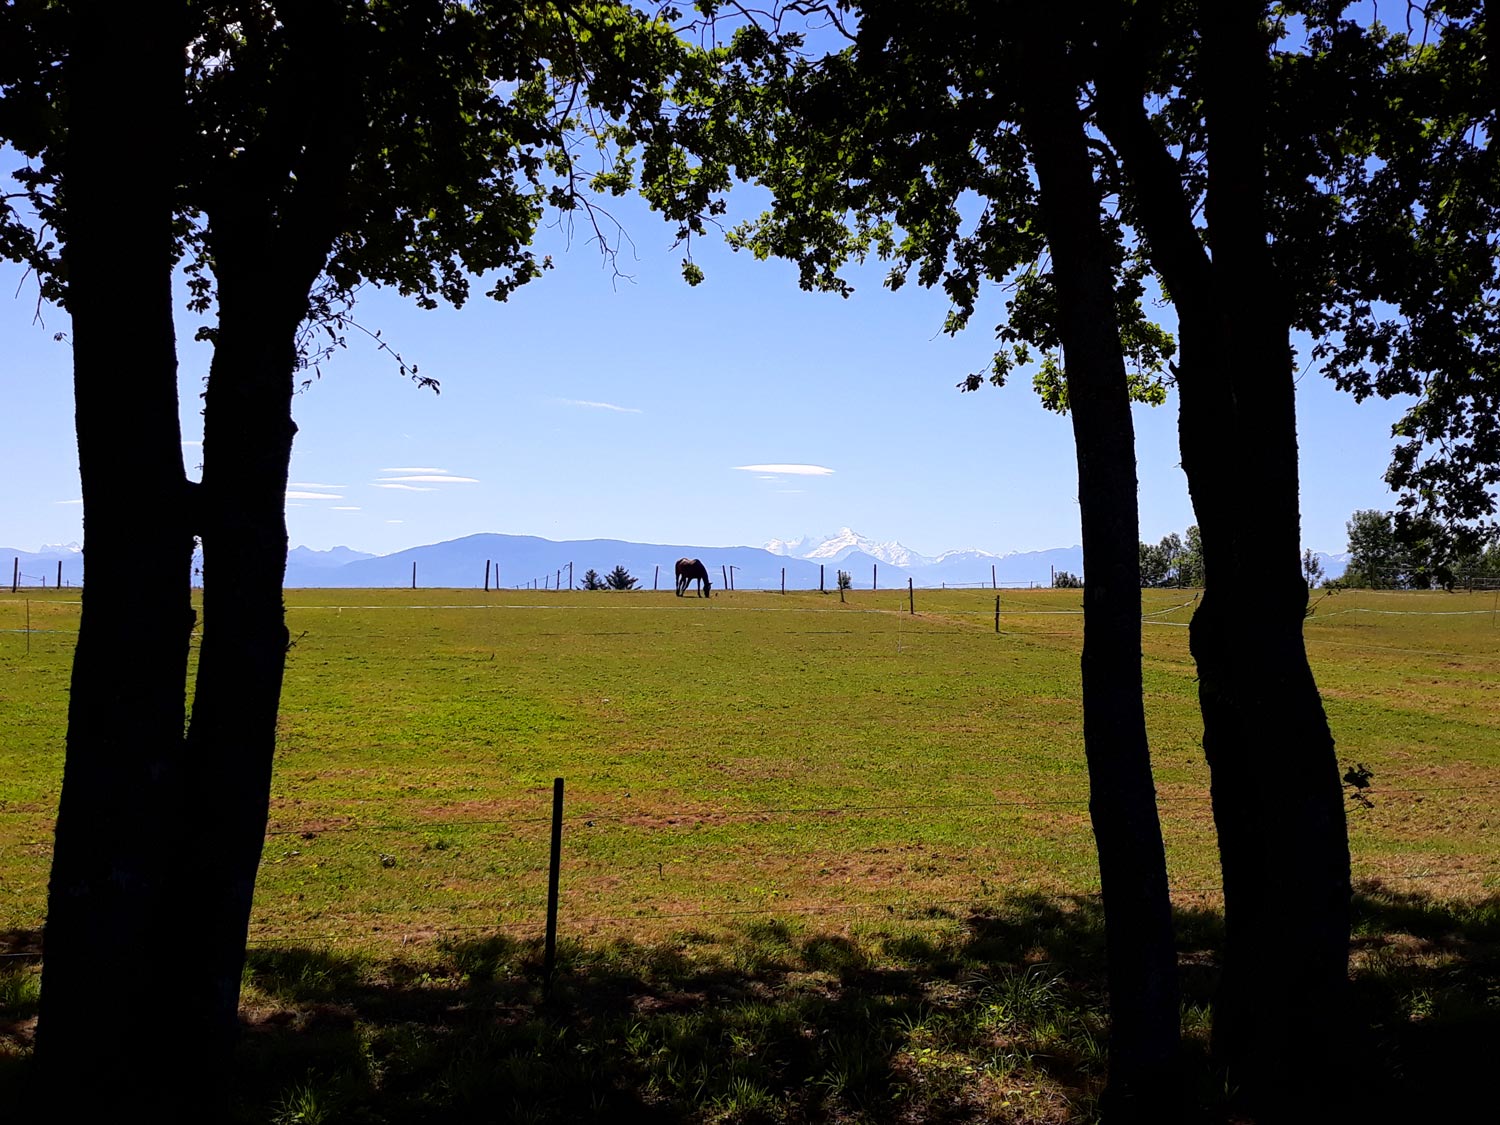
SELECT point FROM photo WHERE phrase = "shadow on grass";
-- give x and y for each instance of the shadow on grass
(993, 1016)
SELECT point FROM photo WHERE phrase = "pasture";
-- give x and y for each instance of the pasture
(822, 861)
(757, 753)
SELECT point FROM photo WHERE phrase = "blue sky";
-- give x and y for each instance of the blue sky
(594, 407)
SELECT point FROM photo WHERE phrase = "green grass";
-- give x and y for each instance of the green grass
(755, 753)
(822, 861)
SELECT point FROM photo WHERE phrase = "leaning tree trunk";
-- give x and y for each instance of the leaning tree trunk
(270, 242)
(1278, 807)
(247, 447)
(109, 945)
(1142, 966)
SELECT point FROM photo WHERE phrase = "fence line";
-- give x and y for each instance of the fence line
(780, 810)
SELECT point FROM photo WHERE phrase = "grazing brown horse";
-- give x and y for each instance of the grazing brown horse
(687, 571)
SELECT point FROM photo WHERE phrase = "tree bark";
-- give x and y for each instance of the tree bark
(1278, 805)
(1142, 964)
(109, 943)
(247, 445)
(271, 227)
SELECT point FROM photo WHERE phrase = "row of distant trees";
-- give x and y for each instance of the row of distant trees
(1390, 551)
(617, 579)
(1176, 561)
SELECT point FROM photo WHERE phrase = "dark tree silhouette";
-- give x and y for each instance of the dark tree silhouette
(620, 579)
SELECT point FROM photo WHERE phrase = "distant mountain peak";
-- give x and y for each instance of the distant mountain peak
(846, 542)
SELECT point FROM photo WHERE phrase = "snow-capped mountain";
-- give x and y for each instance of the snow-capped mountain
(793, 548)
(837, 548)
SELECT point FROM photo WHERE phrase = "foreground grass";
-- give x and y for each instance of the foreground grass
(993, 1016)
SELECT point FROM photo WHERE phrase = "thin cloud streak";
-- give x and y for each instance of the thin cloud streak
(323, 487)
(294, 494)
(345, 508)
(404, 487)
(436, 479)
(419, 469)
(787, 470)
(601, 406)
(78, 501)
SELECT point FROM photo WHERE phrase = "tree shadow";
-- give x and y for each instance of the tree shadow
(998, 1015)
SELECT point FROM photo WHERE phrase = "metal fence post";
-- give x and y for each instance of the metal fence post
(549, 961)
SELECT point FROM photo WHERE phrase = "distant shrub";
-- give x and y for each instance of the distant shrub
(619, 579)
(592, 581)
(846, 580)
(1062, 580)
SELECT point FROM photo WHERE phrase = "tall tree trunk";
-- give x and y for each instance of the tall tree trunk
(247, 447)
(1142, 969)
(270, 242)
(1278, 806)
(109, 942)
(1265, 732)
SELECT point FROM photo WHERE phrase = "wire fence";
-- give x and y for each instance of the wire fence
(515, 909)
(511, 903)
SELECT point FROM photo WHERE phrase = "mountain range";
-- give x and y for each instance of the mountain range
(522, 560)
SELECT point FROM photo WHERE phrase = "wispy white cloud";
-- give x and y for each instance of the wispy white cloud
(788, 470)
(321, 487)
(600, 406)
(79, 501)
(297, 494)
(409, 469)
(404, 487)
(345, 508)
(395, 521)
(435, 478)
(192, 443)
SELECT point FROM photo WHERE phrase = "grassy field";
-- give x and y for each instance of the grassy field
(764, 786)
(756, 753)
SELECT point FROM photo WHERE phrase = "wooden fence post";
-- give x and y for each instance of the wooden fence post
(59, 574)
(15, 575)
(554, 867)
(783, 580)
(874, 576)
(414, 574)
(656, 578)
(725, 572)
(911, 600)
(997, 613)
(821, 588)
(994, 585)
(486, 576)
(570, 576)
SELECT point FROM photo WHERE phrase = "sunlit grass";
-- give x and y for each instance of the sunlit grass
(755, 753)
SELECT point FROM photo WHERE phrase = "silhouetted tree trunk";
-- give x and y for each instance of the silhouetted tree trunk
(1142, 966)
(1278, 805)
(270, 242)
(110, 943)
